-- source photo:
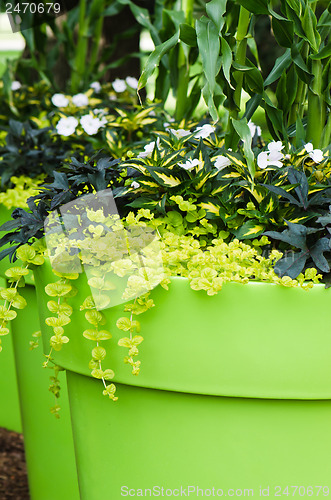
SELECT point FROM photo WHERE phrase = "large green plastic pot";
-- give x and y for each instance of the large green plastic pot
(234, 393)
(10, 417)
(5, 215)
(48, 441)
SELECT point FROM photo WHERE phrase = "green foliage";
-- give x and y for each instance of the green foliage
(75, 44)
(203, 257)
(23, 189)
(29, 150)
(223, 67)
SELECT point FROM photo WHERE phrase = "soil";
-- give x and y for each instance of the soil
(13, 477)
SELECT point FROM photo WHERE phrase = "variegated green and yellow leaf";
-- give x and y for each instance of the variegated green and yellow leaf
(231, 175)
(165, 179)
(236, 161)
(219, 189)
(248, 230)
(210, 207)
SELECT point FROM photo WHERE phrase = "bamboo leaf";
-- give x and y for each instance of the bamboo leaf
(226, 60)
(323, 53)
(209, 48)
(216, 10)
(296, 6)
(255, 6)
(155, 57)
(188, 35)
(244, 133)
(283, 31)
(309, 23)
(282, 63)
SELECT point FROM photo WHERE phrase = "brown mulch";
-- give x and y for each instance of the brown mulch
(13, 477)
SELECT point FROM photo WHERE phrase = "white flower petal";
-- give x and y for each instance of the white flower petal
(80, 100)
(67, 126)
(60, 100)
(180, 132)
(119, 85)
(148, 149)
(189, 164)
(317, 155)
(309, 147)
(96, 87)
(254, 129)
(132, 82)
(90, 124)
(204, 131)
(16, 85)
(222, 162)
(275, 146)
(262, 159)
(275, 156)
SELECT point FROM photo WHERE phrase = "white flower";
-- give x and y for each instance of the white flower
(148, 149)
(135, 185)
(204, 131)
(309, 147)
(16, 85)
(317, 155)
(67, 126)
(99, 111)
(91, 125)
(80, 100)
(101, 115)
(167, 124)
(132, 82)
(119, 85)
(96, 87)
(222, 162)
(254, 129)
(60, 100)
(189, 164)
(179, 133)
(265, 159)
(275, 146)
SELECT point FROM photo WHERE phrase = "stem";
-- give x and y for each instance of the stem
(244, 20)
(187, 7)
(182, 87)
(183, 67)
(297, 109)
(231, 139)
(316, 107)
(326, 138)
(96, 39)
(81, 49)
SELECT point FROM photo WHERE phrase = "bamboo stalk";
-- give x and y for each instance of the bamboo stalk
(183, 67)
(316, 107)
(231, 138)
(79, 65)
(96, 38)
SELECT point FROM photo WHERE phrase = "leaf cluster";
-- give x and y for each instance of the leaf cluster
(29, 150)
(68, 183)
